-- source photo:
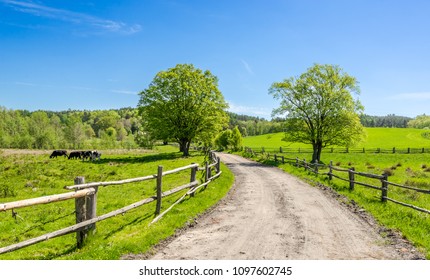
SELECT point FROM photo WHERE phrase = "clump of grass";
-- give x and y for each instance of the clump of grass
(338, 163)
(399, 164)
(424, 166)
(388, 172)
(7, 190)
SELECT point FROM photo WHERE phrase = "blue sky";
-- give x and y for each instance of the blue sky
(56, 55)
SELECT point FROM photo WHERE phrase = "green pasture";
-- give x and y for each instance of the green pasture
(405, 169)
(24, 176)
(384, 138)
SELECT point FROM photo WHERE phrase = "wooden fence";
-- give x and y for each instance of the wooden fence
(393, 150)
(85, 195)
(333, 172)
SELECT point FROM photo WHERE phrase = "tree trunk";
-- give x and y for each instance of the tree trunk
(184, 147)
(317, 149)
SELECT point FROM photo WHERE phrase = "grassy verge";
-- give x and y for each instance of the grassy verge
(25, 176)
(411, 170)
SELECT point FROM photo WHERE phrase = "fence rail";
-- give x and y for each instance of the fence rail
(85, 195)
(316, 167)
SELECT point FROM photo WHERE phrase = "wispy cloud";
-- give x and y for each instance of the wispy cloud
(75, 18)
(247, 67)
(124, 91)
(417, 96)
(31, 84)
(249, 110)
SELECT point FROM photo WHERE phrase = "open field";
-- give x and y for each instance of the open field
(384, 138)
(406, 169)
(27, 175)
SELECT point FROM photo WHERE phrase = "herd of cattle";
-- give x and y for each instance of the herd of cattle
(89, 155)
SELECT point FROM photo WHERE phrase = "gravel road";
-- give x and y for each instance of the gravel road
(270, 214)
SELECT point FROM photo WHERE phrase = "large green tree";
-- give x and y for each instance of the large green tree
(320, 109)
(183, 103)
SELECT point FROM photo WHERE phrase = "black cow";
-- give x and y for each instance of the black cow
(86, 155)
(75, 154)
(58, 153)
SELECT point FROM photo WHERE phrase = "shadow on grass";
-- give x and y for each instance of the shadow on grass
(138, 159)
(133, 222)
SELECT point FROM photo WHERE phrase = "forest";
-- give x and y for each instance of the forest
(121, 128)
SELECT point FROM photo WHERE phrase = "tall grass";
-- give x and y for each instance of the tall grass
(36, 175)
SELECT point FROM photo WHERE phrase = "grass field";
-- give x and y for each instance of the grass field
(384, 138)
(29, 175)
(406, 169)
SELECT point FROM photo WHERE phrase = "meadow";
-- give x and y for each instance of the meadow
(26, 175)
(406, 169)
(384, 138)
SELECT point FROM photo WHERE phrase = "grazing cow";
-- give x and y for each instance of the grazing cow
(86, 155)
(75, 154)
(96, 155)
(90, 155)
(58, 153)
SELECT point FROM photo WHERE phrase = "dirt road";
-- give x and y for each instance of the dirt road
(270, 214)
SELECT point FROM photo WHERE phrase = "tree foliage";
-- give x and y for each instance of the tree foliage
(183, 104)
(251, 126)
(68, 129)
(421, 121)
(319, 108)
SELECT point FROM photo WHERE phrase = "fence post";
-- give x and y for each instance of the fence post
(351, 178)
(209, 172)
(283, 159)
(159, 193)
(330, 170)
(81, 214)
(276, 158)
(193, 176)
(305, 164)
(280, 150)
(409, 150)
(206, 172)
(91, 205)
(394, 150)
(297, 161)
(218, 165)
(316, 166)
(384, 194)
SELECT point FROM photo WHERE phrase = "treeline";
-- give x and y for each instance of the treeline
(121, 128)
(99, 129)
(251, 126)
(390, 120)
